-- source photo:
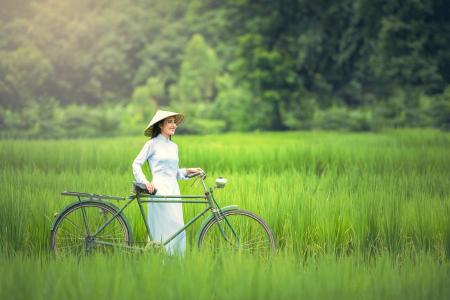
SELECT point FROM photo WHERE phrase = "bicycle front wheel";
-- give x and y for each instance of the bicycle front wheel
(239, 230)
(74, 229)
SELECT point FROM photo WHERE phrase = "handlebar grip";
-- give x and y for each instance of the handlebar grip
(195, 174)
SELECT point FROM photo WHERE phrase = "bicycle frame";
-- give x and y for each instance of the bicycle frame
(142, 198)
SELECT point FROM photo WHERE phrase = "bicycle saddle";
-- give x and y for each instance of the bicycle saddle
(140, 188)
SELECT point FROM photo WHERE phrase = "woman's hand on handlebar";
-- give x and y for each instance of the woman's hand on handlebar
(191, 171)
(150, 187)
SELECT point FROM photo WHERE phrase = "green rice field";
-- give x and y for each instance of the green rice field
(355, 215)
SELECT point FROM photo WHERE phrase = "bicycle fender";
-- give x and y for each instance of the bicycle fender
(114, 207)
(224, 209)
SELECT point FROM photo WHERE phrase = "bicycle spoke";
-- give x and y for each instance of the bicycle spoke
(109, 238)
(66, 238)
(69, 248)
(70, 234)
(72, 223)
(247, 234)
(110, 230)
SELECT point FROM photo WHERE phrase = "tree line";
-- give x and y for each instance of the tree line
(87, 68)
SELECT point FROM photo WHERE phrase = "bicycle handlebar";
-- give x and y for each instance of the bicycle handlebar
(196, 174)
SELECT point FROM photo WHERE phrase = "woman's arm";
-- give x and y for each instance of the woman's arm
(184, 172)
(140, 159)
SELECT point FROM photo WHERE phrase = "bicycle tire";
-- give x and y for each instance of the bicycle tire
(69, 235)
(245, 224)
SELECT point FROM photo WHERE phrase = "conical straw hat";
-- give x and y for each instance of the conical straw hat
(161, 115)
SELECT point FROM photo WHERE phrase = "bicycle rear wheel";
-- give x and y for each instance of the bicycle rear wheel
(248, 234)
(73, 230)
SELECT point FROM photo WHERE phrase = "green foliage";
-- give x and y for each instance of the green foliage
(336, 118)
(193, 95)
(203, 126)
(401, 45)
(234, 105)
(23, 74)
(300, 111)
(392, 111)
(287, 60)
(147, 96)
(35, 120)
(198, 72)
(440, 111)
(80, 121)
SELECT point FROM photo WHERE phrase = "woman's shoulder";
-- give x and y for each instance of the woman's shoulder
(149, 143)
(159, 142)
(173, 144)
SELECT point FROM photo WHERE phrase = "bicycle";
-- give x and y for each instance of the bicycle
(92, 224)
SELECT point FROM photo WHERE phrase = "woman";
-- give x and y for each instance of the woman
(164, 219)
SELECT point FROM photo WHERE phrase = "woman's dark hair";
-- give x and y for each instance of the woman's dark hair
(157, 130)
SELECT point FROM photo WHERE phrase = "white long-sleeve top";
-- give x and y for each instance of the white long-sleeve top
(162, 155)
(164, 219)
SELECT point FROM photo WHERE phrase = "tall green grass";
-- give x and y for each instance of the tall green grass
(365, 215)
(321, 192)
(223, 277)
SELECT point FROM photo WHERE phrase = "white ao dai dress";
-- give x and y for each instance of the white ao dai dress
(164, 219)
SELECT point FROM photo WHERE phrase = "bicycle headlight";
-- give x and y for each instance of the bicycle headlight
(220, 182)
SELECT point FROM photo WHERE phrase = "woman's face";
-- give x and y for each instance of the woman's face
(168, 126)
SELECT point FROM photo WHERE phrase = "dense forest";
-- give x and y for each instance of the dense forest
(79, 68)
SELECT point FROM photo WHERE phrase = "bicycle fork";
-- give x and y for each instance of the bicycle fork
(219, 216)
